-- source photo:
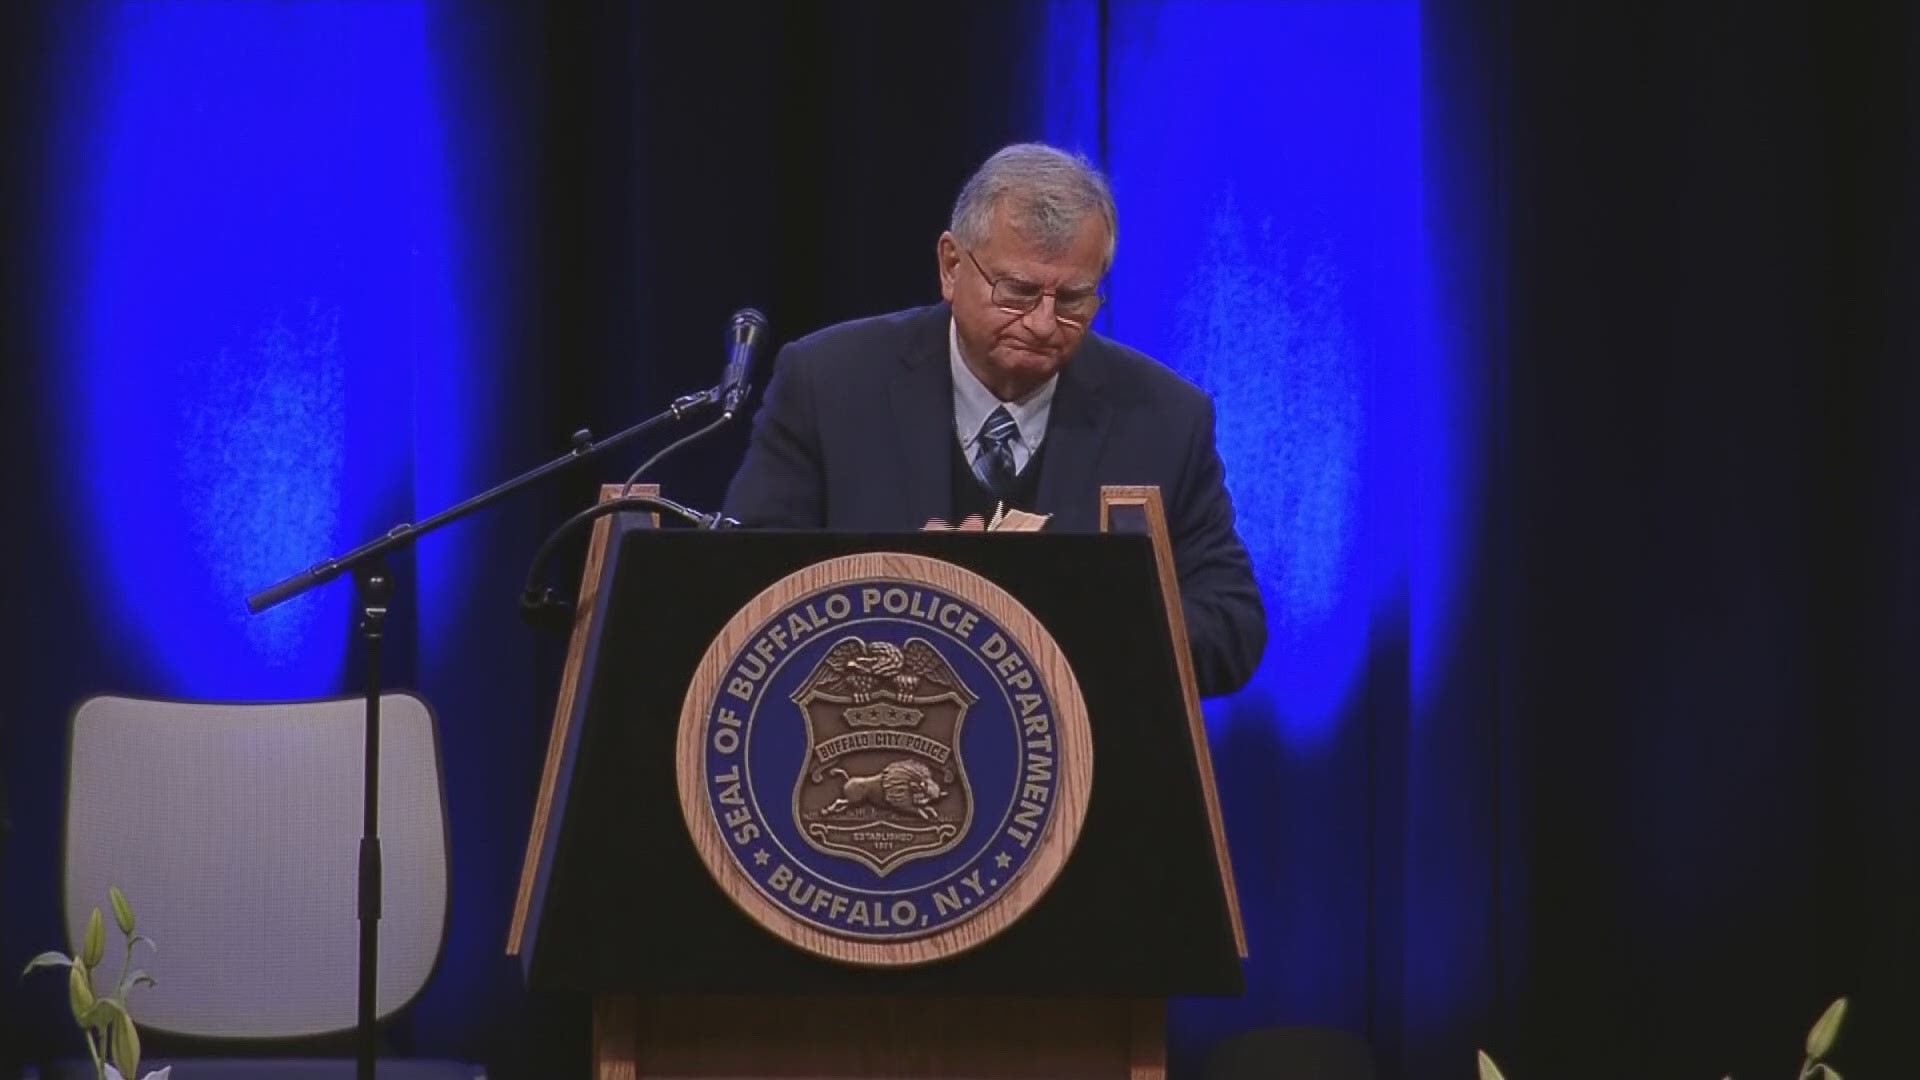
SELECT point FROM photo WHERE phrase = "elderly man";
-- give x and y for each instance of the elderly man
(1003, 396)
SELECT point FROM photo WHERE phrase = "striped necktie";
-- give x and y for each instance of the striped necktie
(993, 465)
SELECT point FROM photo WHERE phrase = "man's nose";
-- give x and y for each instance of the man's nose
(1042, 320)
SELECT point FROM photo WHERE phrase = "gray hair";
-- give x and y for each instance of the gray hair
(1047, 193)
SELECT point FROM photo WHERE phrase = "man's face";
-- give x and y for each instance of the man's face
(1013, 353)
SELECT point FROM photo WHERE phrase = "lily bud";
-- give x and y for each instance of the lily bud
(126, 1046)
(79, 992)
(1826, 1030)
(122, 911)
(96, 946)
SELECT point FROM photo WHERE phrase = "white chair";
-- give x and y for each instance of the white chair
(234, 831)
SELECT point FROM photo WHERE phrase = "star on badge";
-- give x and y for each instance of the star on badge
(1003, 860)
(760, 858)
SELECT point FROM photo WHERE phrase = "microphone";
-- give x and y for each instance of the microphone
(744, 334)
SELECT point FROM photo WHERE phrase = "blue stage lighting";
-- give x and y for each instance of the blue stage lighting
(260, 276)
(1267, 163)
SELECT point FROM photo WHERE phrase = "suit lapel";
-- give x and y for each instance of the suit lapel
(1077, 430)
(921, 396)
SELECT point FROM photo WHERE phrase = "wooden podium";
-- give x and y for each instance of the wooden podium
(623, 898)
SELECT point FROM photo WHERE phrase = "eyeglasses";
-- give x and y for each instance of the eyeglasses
(1074, 306)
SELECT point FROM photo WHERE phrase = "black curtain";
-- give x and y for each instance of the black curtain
(1709, 544)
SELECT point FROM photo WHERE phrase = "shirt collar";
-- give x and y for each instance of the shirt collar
(973, 402)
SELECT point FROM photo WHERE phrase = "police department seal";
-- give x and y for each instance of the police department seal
(884, 759)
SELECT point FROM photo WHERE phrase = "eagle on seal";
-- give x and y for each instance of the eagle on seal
(861, 670)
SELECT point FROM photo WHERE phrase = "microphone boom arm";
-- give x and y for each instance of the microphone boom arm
(372, 551)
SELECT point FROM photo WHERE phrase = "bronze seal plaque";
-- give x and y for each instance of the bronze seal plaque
(884, 759)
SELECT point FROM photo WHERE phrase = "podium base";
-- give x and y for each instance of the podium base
(836, 1038)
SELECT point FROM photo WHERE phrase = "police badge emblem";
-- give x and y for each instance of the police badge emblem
(884, 759)
(891, 714)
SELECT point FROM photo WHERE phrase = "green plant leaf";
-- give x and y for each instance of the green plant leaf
(122, 911)
(126, 1046)
(1826, 1029)
(104, 1013)
(79, 992)
(47, 959)
(1488, 1070)
(95, 949)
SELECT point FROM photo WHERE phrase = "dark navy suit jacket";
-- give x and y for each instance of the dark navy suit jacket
(856, 429)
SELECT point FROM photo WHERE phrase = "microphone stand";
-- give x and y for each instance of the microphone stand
(373, 591)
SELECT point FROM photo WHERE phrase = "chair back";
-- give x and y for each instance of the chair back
(235, 832)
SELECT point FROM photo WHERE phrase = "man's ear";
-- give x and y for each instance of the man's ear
(947, 255)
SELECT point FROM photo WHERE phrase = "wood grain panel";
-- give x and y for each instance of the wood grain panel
(900, 1038)
(564, 707)
(1147, 500)
(616, 1054)
(1147, 1052)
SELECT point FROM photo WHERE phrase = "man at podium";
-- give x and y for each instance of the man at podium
(1001, 397)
